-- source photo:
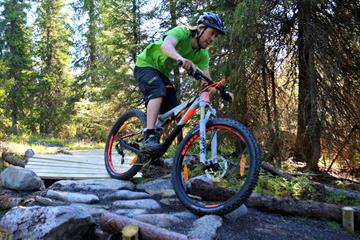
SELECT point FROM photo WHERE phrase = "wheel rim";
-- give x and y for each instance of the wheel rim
(130, 134)
(201, 192)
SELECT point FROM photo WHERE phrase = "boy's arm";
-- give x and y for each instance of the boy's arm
(168, 47)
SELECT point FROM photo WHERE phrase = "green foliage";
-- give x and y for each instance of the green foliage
(54, 89)
(33, 139)
(301, 188)
(298, 188)
(357, 157)
(15, 63)
(40, 94)
(334, 225)
(18, 144)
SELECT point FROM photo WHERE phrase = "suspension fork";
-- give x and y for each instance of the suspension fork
(204, 118)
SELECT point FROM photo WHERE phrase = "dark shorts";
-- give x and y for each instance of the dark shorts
(154, 84)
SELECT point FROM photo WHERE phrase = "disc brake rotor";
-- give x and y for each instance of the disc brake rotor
(218, 169)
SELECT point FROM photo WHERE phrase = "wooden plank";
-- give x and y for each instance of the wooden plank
(68, 171)
(66, 159)
(72, 176)
(80, 165)
(53, 163)
(62, 168)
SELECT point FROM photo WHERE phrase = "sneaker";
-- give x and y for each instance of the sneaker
(151, 143)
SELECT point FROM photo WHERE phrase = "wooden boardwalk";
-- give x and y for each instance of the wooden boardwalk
(79, 165)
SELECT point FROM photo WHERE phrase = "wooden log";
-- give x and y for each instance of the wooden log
(7, 202)
(348, 218)
(9, 158)
(114, 223)
(304, 208)
(208, 192)
(8, 199)
(275, 204)
(273, 170)
(130, 232)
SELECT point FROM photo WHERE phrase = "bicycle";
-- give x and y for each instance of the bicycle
(216, 165)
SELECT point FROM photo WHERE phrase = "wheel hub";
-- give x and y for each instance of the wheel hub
(217, 169)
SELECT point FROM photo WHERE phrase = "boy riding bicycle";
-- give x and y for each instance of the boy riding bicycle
(154, 64)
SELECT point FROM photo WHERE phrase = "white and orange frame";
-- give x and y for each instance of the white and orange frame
(202, 101)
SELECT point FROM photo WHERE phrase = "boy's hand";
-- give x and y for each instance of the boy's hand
(188, 65)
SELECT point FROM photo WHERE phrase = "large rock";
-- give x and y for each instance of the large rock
(148, 204)
(205, 227)
(237, 213)
(92, 185)
(21, 179)
(72, 197)
(93, 210)
(36, 222)
(125, 195)
(131, 212)
(156, 186)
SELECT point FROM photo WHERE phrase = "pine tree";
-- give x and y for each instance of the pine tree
(15, 48)
(54, 103)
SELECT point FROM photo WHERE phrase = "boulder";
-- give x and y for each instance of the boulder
(21, 179)
(155, 186)
(72, 197)
(92, 185)
(65, 222)
(148, 204)
(205, 227)
(125, 195)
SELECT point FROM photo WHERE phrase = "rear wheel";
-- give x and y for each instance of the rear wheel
(122, 152)
(230, 174)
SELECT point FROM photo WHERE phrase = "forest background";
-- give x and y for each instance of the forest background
(293, 65)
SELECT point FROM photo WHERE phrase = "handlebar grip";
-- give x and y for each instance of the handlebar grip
(179, 62)
(197, 74)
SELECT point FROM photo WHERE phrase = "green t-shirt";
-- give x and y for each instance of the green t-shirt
(153, 57)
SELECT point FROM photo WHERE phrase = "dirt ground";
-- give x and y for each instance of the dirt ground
(257, 225)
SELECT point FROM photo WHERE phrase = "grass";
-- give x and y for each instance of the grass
(19, 144)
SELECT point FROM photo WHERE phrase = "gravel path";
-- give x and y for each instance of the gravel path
(257, 225)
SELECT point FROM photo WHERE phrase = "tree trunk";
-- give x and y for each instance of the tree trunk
(9, 199)
(276, 144)
(14, 116)
(9, 158)
(91, 38)
(275, 204)
(308, 132)
(135, 29)
(114, 223)
(300, 207)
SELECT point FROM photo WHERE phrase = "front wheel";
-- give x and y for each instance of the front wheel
(122, 152)
(228, 177)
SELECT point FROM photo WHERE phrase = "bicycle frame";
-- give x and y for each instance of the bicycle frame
(185, 111)
(201, 101)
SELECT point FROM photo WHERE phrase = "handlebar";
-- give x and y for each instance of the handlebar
(198, 75)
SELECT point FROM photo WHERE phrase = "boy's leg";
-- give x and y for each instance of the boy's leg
(152, 111)
(151, 84)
